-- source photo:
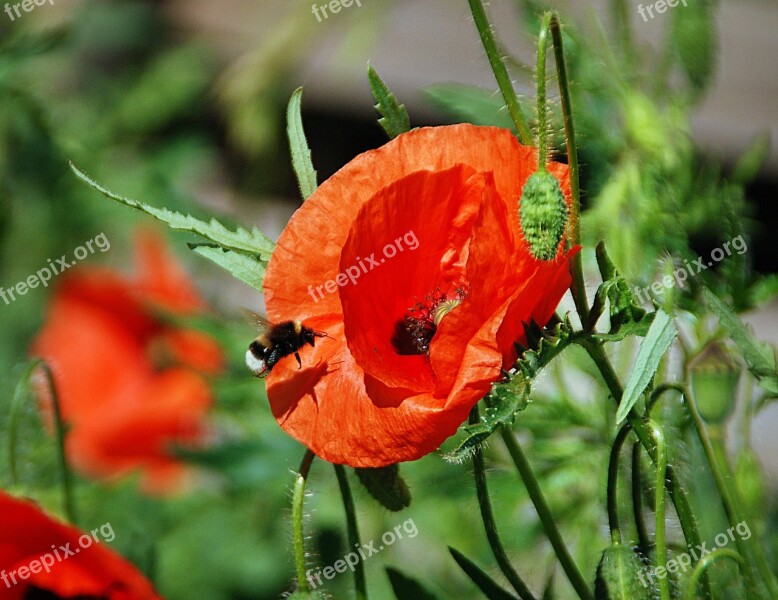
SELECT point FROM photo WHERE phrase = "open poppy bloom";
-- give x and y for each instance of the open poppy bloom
(42, 558)
(411, 258)
(129, 384)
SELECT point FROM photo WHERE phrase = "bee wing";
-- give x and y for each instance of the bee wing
(259, 322)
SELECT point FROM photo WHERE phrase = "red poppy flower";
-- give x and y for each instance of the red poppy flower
(128, 381)
(40, 554)
(412, 260)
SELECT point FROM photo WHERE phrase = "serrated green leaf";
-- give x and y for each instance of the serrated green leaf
(394, 118)
(241, 240)
(405, 588)
(470, 104)
(638, 328)
(656, 343)
(624, 310)
(509, 397)
(759, 356)
(298, 146)
(248, 269)
(486, 584)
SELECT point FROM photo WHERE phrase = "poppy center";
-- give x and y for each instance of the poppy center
(413, 333)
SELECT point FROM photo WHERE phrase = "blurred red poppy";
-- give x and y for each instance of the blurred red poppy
(411, 258)
(129, 382)
(40, 557)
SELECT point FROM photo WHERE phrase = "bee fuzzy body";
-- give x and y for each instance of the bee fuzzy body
(276, 342)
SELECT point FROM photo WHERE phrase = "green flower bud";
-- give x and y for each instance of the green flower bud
(714, 378)
(387, 486)
(750, 482)
(543, 214)
(621, 575)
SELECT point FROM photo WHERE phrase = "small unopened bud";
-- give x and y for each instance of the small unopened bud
(543, 214)
(387, 486)
(750, 482)
(621, 575)
(714, 378)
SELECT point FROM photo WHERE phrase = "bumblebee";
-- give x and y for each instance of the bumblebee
(275, 341)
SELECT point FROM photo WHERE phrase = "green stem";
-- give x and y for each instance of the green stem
(578, 289)
(360, 583)
(59, 429)
(500, 72)
(298, 537)
(544, 512)
(749, 548)
(613, 476)
(712, 445)
(644, 541)
(705, 562)
(677, 495)
(659, 505)
(541, 100)
(487, 516)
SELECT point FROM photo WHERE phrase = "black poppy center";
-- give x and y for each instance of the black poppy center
(414, 331)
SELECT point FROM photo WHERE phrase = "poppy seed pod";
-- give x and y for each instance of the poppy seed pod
(543, 213)
(714, 378)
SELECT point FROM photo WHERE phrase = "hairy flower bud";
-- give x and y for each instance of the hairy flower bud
(622, 576)
(387, 486)
(543, 214)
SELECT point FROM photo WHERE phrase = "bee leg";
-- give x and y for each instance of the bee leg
(299, 362)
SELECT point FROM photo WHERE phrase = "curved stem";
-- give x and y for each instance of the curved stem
(644, 541)
(487, 515)
(613, 476)
(677, 495)
(500, 72)
(659, 505)
(59, 430)
(705, 562)
(360, 584)
(298, 537)
(544, 512)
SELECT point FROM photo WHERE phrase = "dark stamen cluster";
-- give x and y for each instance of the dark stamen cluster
(414, 332)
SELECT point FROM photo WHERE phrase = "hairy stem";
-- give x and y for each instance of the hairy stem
(298, 536)
(500, 71)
